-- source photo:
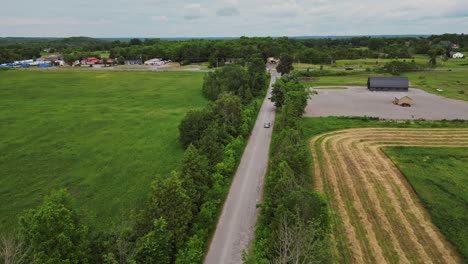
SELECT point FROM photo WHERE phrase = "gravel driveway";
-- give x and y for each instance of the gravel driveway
(358, 101)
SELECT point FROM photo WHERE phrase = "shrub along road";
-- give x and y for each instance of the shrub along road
(235, 227)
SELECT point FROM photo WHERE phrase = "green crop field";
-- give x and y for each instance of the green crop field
(440, 178)
(102, 135)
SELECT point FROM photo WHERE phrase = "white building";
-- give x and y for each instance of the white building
(155, 62)
(457, 55)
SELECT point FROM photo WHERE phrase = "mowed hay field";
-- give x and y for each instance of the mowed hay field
(377, 217)
(440, 178)
(102, 135)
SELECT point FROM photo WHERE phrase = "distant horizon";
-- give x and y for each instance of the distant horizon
(233, 37)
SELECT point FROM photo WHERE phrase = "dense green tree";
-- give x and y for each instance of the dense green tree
(155, 247)
(212, 85)
(54, 232)
(193, 125)
(285, 65)
(212, 143)
(257, 75)
(291, 149)
(170, 201)
(228, 79)
(283, 86)
(397, 67)
(135, 42)
(193, 253)
(195, 175)
(228, 112)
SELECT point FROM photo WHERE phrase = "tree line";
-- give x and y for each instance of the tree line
(181, 212)
(323, 51)
(294, 223)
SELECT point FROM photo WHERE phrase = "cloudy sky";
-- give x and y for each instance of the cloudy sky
(223, 18)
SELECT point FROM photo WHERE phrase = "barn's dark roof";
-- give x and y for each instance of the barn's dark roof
(388, 82)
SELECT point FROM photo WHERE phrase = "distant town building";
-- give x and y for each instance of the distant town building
(155, 61)
(133, 62)
(53, 57)
(388, 84)
(456, 55)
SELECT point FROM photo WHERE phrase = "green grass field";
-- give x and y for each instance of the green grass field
(373, 63)
(440, 178)
(345, 80)
(103, 135)
(453, 83)
(318, 125)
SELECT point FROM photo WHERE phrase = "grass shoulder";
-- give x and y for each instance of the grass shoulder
(318, 125)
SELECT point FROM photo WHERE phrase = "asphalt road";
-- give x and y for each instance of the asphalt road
(236, 224)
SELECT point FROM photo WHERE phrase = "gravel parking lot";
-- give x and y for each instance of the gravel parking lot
(358, 101)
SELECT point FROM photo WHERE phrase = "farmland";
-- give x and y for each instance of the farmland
(353, 215)
(439, 177)
(102, 135)
(372, 63)
(376, 216)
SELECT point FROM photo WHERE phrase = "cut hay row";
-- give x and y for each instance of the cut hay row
(376, 216)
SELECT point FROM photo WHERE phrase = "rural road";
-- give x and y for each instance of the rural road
(236, 224)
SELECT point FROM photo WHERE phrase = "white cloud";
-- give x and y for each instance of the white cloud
(104, 18)
(193, 11)
(159, 18)
(288, 8)
(228, 11)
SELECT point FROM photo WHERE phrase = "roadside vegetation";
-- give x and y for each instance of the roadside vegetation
(180, 207)
(439, 177)
(294, 224)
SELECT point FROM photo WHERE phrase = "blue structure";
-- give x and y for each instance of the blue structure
(45, 65)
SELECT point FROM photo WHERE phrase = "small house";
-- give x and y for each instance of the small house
(400, 84)
(403, 101)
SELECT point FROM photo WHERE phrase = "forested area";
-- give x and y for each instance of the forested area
(294, 225)
(182, 211)
(317, 51)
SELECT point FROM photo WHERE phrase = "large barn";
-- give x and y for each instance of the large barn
(400, 84)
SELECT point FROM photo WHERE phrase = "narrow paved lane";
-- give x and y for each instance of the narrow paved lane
(235, 227)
